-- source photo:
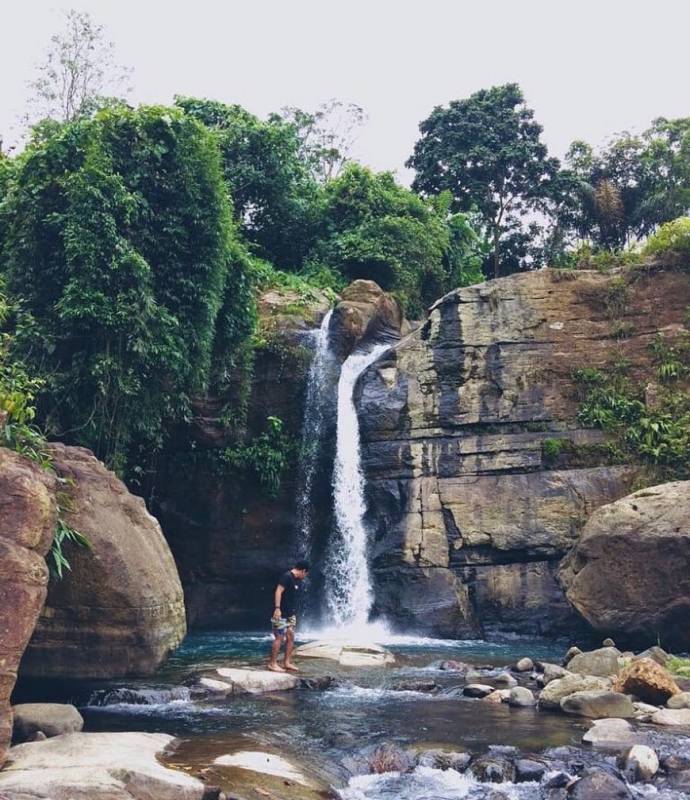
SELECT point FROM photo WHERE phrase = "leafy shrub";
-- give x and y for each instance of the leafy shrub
(673, 237)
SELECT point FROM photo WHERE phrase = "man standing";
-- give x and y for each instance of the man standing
(285, 615)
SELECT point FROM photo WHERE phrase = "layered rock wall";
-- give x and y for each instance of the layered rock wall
(469, 513)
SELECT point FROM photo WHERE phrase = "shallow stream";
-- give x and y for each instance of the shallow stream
(328, 733)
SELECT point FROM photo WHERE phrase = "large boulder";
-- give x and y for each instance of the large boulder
(556, 690)
(120, 610)
(28, 514)
(602, 662)
(599, 705)
(648, 681)
(347, 654)
(257, 681)
(628, 574)
(50, 719)
(364, 311)
(96, 766)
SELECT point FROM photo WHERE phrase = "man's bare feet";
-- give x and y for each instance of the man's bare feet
(275, 668)
(290, 667)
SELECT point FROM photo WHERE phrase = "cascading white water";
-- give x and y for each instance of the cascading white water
(312, 433)
(348, 585)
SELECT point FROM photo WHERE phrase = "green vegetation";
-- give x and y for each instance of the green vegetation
(552, 448)
(679, 666)
(673, 237)
(652, 430)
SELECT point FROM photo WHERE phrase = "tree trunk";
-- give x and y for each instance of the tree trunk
(497, 234)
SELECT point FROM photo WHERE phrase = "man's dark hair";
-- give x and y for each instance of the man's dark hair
(302, 563)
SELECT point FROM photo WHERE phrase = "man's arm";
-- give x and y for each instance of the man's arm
(278, 597)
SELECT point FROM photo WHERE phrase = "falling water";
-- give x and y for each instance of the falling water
(312, 434)
(348, 587)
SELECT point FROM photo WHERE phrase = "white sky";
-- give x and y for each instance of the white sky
(588, 68)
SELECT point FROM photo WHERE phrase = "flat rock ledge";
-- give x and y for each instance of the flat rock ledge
(96, 766)
(257, 681)
(265, 764)
(347, 654)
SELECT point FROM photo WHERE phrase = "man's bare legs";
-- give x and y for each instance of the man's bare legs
(273, 664)
(289, 647)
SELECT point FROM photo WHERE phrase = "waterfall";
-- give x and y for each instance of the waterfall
(348, 586)
(312, 434)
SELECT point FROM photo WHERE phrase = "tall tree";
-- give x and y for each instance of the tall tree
(487, 151)
(79, 73)
(326, 135)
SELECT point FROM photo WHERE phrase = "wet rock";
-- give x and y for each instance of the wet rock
(572, 652)
(599, 705)
(28, 510)
(556, 690)
(675, 763)
(207, 687)
(595, 783)
(557, 780)
(524, 665)
(364, 310)
(116, 766)
(415, 686)
(265, 764)
(257, 681)
(680, 781)
(499, 696)
(680, 700)
(611, 733)
(122, 610)
(389, 758)
(602, 663)
(521, 697)
(644, 711)
(52, 719)
(644, 535)
(477, 690)
(444, 759)
(473, 675)
(454, 666)
(672, 717)
(528, 770)
(493, 770)
(505, 679)
(639, 763)
(608, 643)
(648, 681)
(347, 654)
(318, 683)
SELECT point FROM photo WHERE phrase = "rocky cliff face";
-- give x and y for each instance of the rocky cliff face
(120, 610)
(470, 514)
(27, 519)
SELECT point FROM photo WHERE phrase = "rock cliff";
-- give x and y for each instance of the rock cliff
(27, 521)
(120, 610)
(470, 511)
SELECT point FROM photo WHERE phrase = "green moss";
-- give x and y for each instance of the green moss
(679, 666)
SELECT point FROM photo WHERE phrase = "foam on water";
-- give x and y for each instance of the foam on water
(426, 783)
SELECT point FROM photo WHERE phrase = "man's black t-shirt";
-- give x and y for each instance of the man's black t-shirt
(292, 587)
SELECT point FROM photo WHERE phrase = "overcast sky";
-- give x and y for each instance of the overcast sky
(588, 68)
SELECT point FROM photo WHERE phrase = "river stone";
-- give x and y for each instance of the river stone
(524, 665)
(596, 784)
(520, 697)
(640, 763)
(258, 681)
(572, 652)
(598, 705)
(528, 770)
(444, 759)
(644, 711)
(552, 672)
(53, 719)
(477, 690)
(505, 679)
(611, 733)
(556, 690)
(120, 611)
(681, 700)
(499, 696)
(628, 573)
(347, 654)
(602, 663)
(656, 653)
(454, 666)
(90, 766)
(668, 716)
(213, 686)
(415, 686)
(28, 511)
(648, 681)
(264, 763)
